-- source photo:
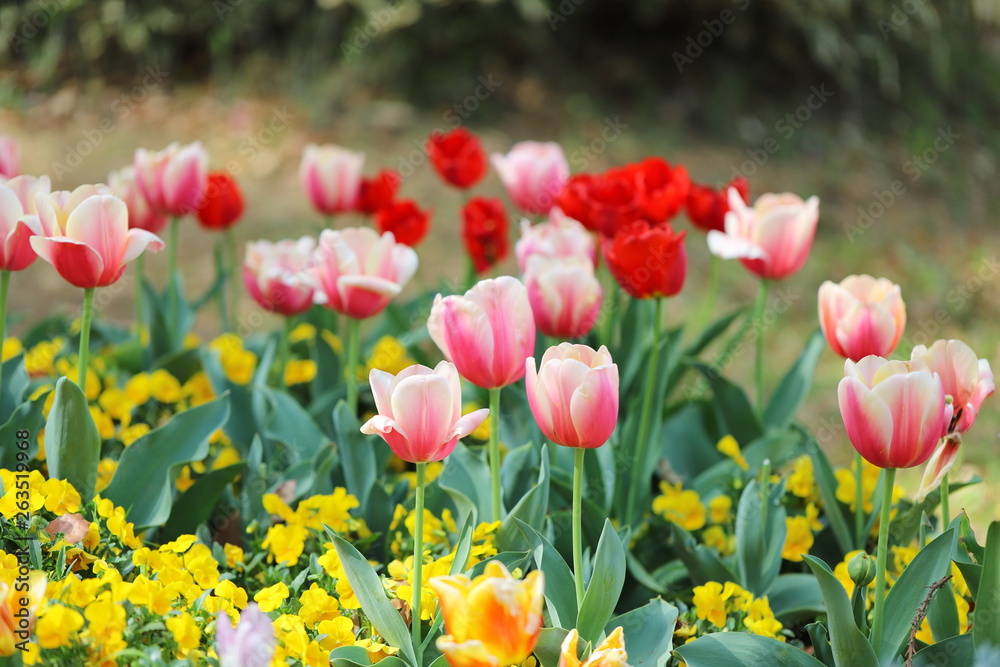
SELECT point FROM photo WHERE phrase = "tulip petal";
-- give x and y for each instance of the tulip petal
(916, 402)
(139, 241)
(938, 465)
(469, 423)
(867, 419)
(462, 330)
(453, 593)
(16, 253)
(594, 406)
(472, 653)
(381, 385)
(422, 405)
(78, 263)
(101, 222)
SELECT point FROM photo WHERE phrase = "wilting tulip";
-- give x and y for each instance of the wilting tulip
(485, 232)
(967, 380)
(420, 412)
(773, 238)
(54, 208)
(379, 191)
(862, 316)
(457, 157)
(250, 644)
(173, 179)
(561, 236)
(647, 260)
(16, 230)
(17, 619)
(10, 157)
(357, 272)
(533, 173)
(565, 295)
(331, 177)
(222, 206)
(27, 188)
(609, 653)
(141, 214)
(405, 220)
(277, 275)
(492, 620)
(707, 207)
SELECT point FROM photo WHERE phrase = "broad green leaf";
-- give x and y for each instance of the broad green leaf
(349, 655)
(733, 410)
(515, 472)
(832, 509)
(283, 419)
(942, 614)
(463, 547)
(254, 485)
(466, 472)
(643, 576)
(357, 453)
(759, 537)
(649, 633)
(738, 649)
(702, 563)
(26, 417)
(605, 585)
(560, 587)
(144, 480)
(778, 447)
(794, 387)
(193, 507)
(968, 550)
(795, 597)
(511, 560)
(821, 644)
(368, 588)
(986, 631)
(549, 647)
(850, 647)
(972, 573)
(960, 650)
(530, 509)
(15, 383)
(72, 444)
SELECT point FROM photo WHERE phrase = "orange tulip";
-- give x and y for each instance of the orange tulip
(19, 601)
(493, 620)
(609, 653)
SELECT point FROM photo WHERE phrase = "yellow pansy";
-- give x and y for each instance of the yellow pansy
(238, 365)
(798, 538)
(728, 446)
(801, 481)
(40, 359)
(133, 433)
(720, 508)
(138, 389)
(272, 597)
(105, 427)
(164, 387)
(10, 349)
(56, 625)
(199, 389)
(683, 507)
(388, 355)
(302, 332)
(716, 537)
(115, 402)
(186, 632)
(300, 371)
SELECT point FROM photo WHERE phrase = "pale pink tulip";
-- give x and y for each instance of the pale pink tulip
(53, 208)
(277, 274)
(773, 238)
(27, 189)
(141, 214)
(862, 316)
(331, 177)
(565, 295)
(487, 333)
(533, 173)
(357, 272)
(420, 412)
(967, 379)
(894, 411)
(561, 236)
(574, 395)
(10, 158)
(96, 243)
(16, 230)
(250, 644)
(174, 179)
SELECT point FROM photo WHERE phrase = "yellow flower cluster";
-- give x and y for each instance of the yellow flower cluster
(718, 603)
(285, 541)
(238, 363)
(847, 486)
(683, 507)
(388, 355)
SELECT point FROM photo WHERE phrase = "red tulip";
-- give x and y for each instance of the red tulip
(379, 191)
(664, 189)
(222, 205)
(458, 157)
(602, 202)
(406, 222)
(485, 232)
(647, 260)
(707, 207)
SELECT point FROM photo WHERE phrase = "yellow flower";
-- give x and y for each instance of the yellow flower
(133, 433)
(227, 456)
(760, 620)
(57, 625)
(272, 597)
(682, 507)
(105, 427)
(105, 619)
(138, 389)
(812, 513)
(40, 359)
(300, 371)
(388, 355)
(318, 606)
(232, 593)
(238, 365)
(731, 448)
(11, 348)
(185, 631)
(709, 604)
(192, 340)
(798, 538)
(115, 402)
(377, 650)
(339, 631)
(716, 537)
(719, 508)
(199, 389)
(164, 387)
(801, 481)
(60, 496)
(304, 331)
(234, 555)
(333, 341)
(184, 480)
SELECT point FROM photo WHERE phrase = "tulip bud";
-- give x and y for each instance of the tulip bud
(861, 569)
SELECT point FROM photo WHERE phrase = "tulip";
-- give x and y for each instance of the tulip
(10, 158)
(533, 173)
(862, 316)
(16, 228)
(487, 334)
(331, 177)
(173, 179)
(561, 236)
(53, 208)
(141, 214)
(250, 644)
(405, 220)
(707, 207)
(609, 653)
(603, 202)
(17, 618)
(379, 191)
(457, 157)
(485, 232)
(493, 620)
(565, 295)
(664, 189)
(277, 275)
(647, 260)
(27, 189)
(222, 206)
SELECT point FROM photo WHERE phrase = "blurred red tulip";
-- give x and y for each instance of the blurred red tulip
(647, 260)
(407, 222)
(222, 205)
(379, 191)
(458, 157)
(664, 189)
(707, 207)
(485, 232)
(602, 202)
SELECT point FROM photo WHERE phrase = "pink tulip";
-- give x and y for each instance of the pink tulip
(250, 644)
(16, 230)
(420, 412)
(277, 275)
(565, 295)
(894, 411)
(357, 272)
(10, 158)
(561, 236)
(174, 179)
(574, 395)
(141, 214)
(96, 243)
(773, 238)
(27, 188)
(53, 208)
(331, 177)
(488, 333)
(533, 173)
(861, 316)
(967, 379)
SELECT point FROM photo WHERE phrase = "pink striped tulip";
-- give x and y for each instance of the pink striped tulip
(141, 214)
(561, 236)
(894, 411)
(277, 275)
(574, 395)
(357, 272)
(773, 238)
(10, 158)
(95, 244)
(420, 412)
(331, 177)
(533, 173)
(16, 230)
(487, 333)
(27, 189)
(862, 316)
(174, 179)
(54, 207)
(565, 295)
(250, 644)
(967, 379)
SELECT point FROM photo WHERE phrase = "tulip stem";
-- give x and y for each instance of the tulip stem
(759, 323)
(495, 453)
(711, 293)
(578, 524)
(418, 558)
(286, 352)
(859, 501)
(350, 373)
(173, 298)
(140, 272)
(642, 439)
(4, 291)
(945, 504)
(232, 265)
(883, 558)
(88, 314)
(221, 277)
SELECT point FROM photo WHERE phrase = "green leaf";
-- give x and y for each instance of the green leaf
(827, 483)
(758, 547)
(368, 588)
(850, 647)
(605, 585)
(193, 507)
(15, 383)
(465, 472)
(972, 573)
(560, 587)
(738, 649)
(254, 485)
(144, 480)
(794, 387)
(986, 631)
(26, 417)
(733, 411)
(960, 650)
(72, 444)
(931, 563)
(530, 509)
(357, 455)
(821, 644)
(549, 648)
(942, 614)
(283, 419)
(702, 563)
(649, 633)
(795, 598)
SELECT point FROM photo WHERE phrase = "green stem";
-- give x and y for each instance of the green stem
(859, 501)
(173, 298)
(577, 524)
(883, 559)
(4, 291)
(286, 351)
(610, 303)
(418, 557)
(222, 276)
(945, 502)
(232, 278)
(140, 273)
(88, 314)
(765, 491)
(759, 322)
(642, 439)
(495, 453)
(711, 293)
(353, 353)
